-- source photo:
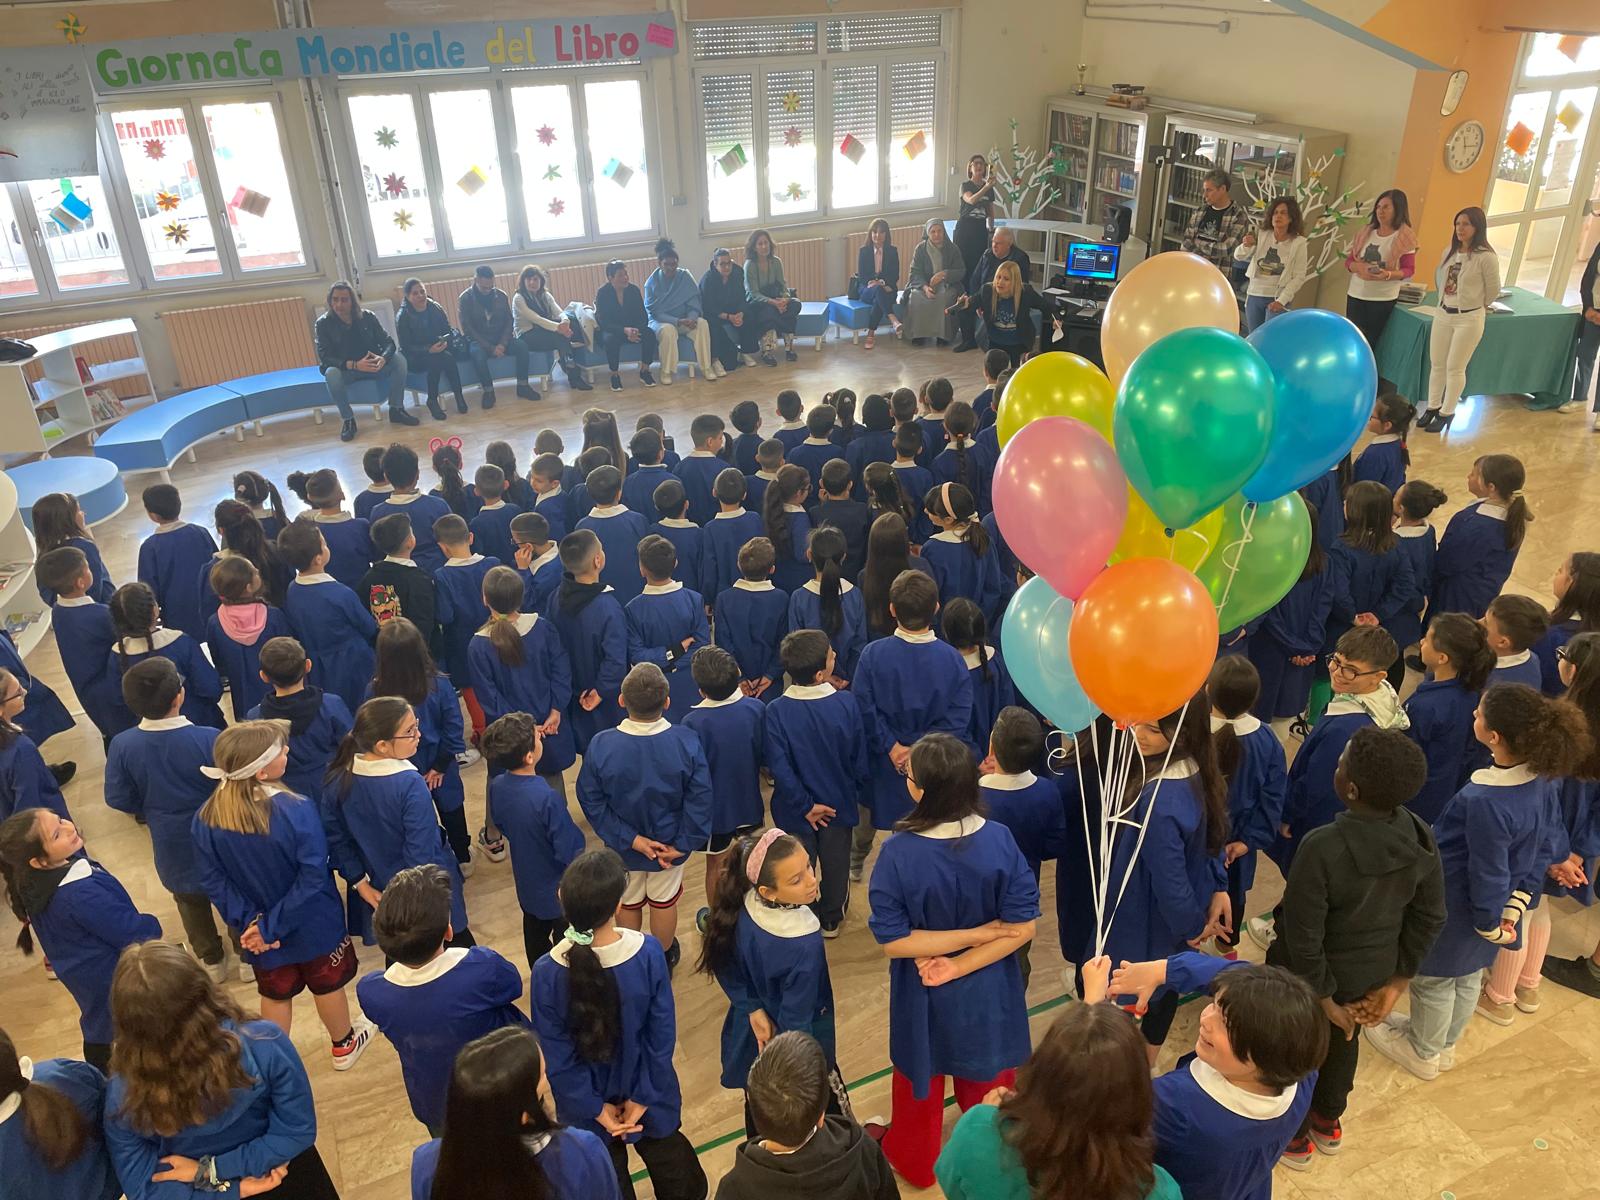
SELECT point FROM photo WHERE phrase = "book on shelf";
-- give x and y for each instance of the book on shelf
(17, 622)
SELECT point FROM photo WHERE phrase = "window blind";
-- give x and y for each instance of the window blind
(746, 39)
(847, 34)
(855, 102)
(791, 105)
(913, 96)
(727, 108)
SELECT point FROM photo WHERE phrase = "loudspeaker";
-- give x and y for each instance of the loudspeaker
(1119, 224)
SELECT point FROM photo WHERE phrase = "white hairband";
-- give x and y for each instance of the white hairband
(246, 771)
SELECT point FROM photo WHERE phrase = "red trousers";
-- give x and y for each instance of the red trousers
(915, 1126)
(474, 713)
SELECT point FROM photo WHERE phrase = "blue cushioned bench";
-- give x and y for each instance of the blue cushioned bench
(593, 358)
(813, 321)
(154, 438)
(96, 483)
(540, 364)
(849, 314)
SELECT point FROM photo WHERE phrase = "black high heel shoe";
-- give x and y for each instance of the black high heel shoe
(1425, 423)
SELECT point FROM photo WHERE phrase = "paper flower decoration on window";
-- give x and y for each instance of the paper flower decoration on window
(791, 102)
(166, 201)
(394, 184)
(155, 148)
(794, 192)
(792, 136)
(403, 219)
(546, 135)
(72, 29)
(177, 233)
(557, 207)
(552, 172)
(387, 138)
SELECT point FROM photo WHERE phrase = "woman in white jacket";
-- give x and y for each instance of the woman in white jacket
(541, 325)
(1467, 281)
(1279, 262)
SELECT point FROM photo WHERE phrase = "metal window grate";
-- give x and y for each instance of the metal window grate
(846, 34)
(746, 39)
(728, 110)
(913, 98)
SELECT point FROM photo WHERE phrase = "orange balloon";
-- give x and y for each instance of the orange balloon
(1163, 294)
(1143, 638)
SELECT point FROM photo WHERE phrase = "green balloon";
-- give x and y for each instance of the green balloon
(1269, 564)
(1193, 421)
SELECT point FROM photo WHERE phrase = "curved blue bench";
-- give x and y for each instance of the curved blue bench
(593, 358)
(96, 482)
(540, 364)
(153, 438)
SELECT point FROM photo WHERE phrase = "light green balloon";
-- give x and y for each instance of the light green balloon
(1269, 564)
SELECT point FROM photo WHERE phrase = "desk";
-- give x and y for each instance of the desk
(1528, 351)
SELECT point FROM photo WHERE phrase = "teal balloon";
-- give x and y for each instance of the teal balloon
(1193, 421)
(1033, 640)
(1269, 564)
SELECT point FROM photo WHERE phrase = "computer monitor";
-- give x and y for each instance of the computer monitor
(1093, 260)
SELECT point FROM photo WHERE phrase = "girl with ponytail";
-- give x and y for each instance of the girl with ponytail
(136, 620)
(240, 532)
(50, 1140)
(966, 629)
(603, 1009)
(448, 466)
(961, 556)
(58, 521)
(1481, 542)
(1456, 655)
(763, 945)
(884, 493)
(964, 461)
(1419, 542)
(1577, 590)
(831, 603)
(788, 525)
(349, 539)
(254, 841)
(266, 504)
(1386, 458)
(1251, 760)
(888, 554)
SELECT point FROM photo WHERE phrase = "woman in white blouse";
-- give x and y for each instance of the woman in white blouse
(542, 325)
(1279, 265)
(1467, 281)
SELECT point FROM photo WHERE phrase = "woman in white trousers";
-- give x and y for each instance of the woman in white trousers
(1467, 282)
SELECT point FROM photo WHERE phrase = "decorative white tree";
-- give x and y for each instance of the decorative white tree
(1024, 180)
(1327, 215)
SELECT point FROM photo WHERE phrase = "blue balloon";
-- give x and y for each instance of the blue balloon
(1326, 382)
(1033, 639)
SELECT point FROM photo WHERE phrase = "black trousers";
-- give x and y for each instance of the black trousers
(540, 338)
(480, 363)
(1338, 1075)
(539, 936)
(1014, 353)
(829, 848)
(615, 340)
(307, 1179)
(98, 1056)
(1369, 316)
(437, 364)
(766, 317)
(674, 1168)
(454, 827)
(728, 340)
(1157, 1019)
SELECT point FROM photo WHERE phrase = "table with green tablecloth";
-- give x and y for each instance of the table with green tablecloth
(1528, 351)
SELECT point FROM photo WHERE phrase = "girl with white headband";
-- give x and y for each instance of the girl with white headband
(263, 859)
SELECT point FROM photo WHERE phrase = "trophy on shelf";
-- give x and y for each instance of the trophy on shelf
(1080, 90)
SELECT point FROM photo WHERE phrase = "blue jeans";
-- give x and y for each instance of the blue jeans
(339, 381)
(1588, 350)
(882, 301)
(1441, 1006)
(1255, 312)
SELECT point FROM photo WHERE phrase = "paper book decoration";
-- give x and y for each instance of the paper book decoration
(792, 136)
(1570, 115)
(554, 172)
(252, 202)
(661, 35)
(1571, 45)
(557, 207)
(403, 219)
(546, 135)
(916, 144)
(733, 160)
(618, 172)
(472, 182)
(1519, 139)
(177, 233)
(72, 29)
(155, 148)
(72, 214)
(852, 148)
(394, 184)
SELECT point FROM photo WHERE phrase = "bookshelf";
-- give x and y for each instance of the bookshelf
(62, 405)
(25, 616)
(1101, 154)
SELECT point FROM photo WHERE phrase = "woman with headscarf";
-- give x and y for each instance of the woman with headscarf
(938, 275)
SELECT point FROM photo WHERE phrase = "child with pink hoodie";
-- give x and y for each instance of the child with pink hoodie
(242, 624)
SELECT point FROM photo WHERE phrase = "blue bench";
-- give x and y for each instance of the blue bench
(813, 321)
(593, 358)
(154, 438)
(96, 483)
(540, 364)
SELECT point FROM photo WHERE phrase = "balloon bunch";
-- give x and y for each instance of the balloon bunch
(1156, 501)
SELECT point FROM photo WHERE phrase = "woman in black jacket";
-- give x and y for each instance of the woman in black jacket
(425, 341)
(619, 317)
(722, 300)
(878, 278)
(1007, 306)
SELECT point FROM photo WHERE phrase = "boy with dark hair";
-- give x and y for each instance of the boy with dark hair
(769, 461)
(84, 636)
(594, 632)
(581, 500)
(171, 558)
(430, 1001)
(987, 402)
(646, 790)
(619, 530)
(793, 430)
(670, 507)
(914, 476)
(666, 621)
(938, 392)
(397, 586)
(491, 527)
(817, 752)
(729, 727)
(318, 720)
(1362, 906)
(699, 470)
(746, 418)
(550, 496)
(908, 685)
(401, 470)
(726, 533)
(1514, 624)
(669, 453)
(646, 472)
(850, 517)
(538, 561)
(752, 616)
(458, 585)
(818, 447)
(378, 488)
(534, 819)
(801, 1149)
(329, 619)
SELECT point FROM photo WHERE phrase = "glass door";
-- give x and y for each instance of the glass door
(1194, 152)
(1071, 140)
(1119, 147)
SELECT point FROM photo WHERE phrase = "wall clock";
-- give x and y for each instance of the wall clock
(1464, 146)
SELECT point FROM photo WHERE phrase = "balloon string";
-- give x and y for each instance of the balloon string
(1233, 552)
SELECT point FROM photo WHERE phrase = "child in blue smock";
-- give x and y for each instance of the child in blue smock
(379, 814)
(960, 555)
(378, 489)
(1386, 458)
(153, 771)
(791, 430)
(170, 559)
(438, 993)
(1252, 761)
(400, 468)
(1480, 544)
(318, 720)
(328, 619)
(1325, 497)
(1576, 585)
(78, 910)
(745, 417)
(816, 749)
(58, 521)
(1455, 652)
(619, 530)
(1514, 624)
(908, 685)
(610, 1074)
(831, 603)
(699, 469)
(263, 859)
(25, 780)
(817, 447)
(963, 460)
(722, 537)
(1493, 840)
(1288, 639)
(40, 1153)
(915, 481)
(751, 618)
(242, 624)
(666, 623)
(874, 443)
(763, 946)
(1420, 542)
(552, 499)
(787, 526)
(459, 582)
(953, 899)
(936, 398)
(350, 550)
(730, 726)
(646, 791)
(646, 472)
(533, 817)
(491, 525)
(84, 637)
(1372, 577)
(966, 629)
(538, 561)
(769, 461)
(136, 620)
(670, 507)
(594, 633)
(45, 715)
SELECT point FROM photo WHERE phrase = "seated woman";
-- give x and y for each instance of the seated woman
(1007, 306)
(767, 301)
(620, 317)
(878, 278)
(541, 325)
(425, 341)
(722, 288)
(938, 276)
(352, 345)
(672, 299)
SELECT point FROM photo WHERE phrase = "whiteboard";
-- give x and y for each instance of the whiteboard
(47, 126)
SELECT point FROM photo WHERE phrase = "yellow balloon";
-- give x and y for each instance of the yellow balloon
(1163, 294)
(1056, 385)
(1144, 536)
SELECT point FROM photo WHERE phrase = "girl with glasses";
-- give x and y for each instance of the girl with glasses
(25, 780)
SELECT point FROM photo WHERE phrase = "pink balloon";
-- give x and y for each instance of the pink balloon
(1060, 497)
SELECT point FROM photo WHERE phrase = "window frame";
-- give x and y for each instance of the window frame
(47, 289)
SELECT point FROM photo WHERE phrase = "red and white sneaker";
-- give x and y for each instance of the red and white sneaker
(346, 1052)
(1328, 1135)
(1297, 1155)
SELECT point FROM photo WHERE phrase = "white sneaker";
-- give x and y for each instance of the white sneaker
(1570, 406)
(494, 851)
(719, 369)
(1395, 1044)
(748, 360)
(247, 973)
(467, 867)
(665, 378)
(217, 970)
(1595, 424)
(1447, 1058)
(362, 1032)
(1262, 931)
(467, 757)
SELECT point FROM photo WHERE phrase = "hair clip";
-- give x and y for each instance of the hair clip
(438, 444)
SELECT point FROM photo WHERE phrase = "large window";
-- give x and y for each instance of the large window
(1544, 192)
(520, 160)
(807, 118)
